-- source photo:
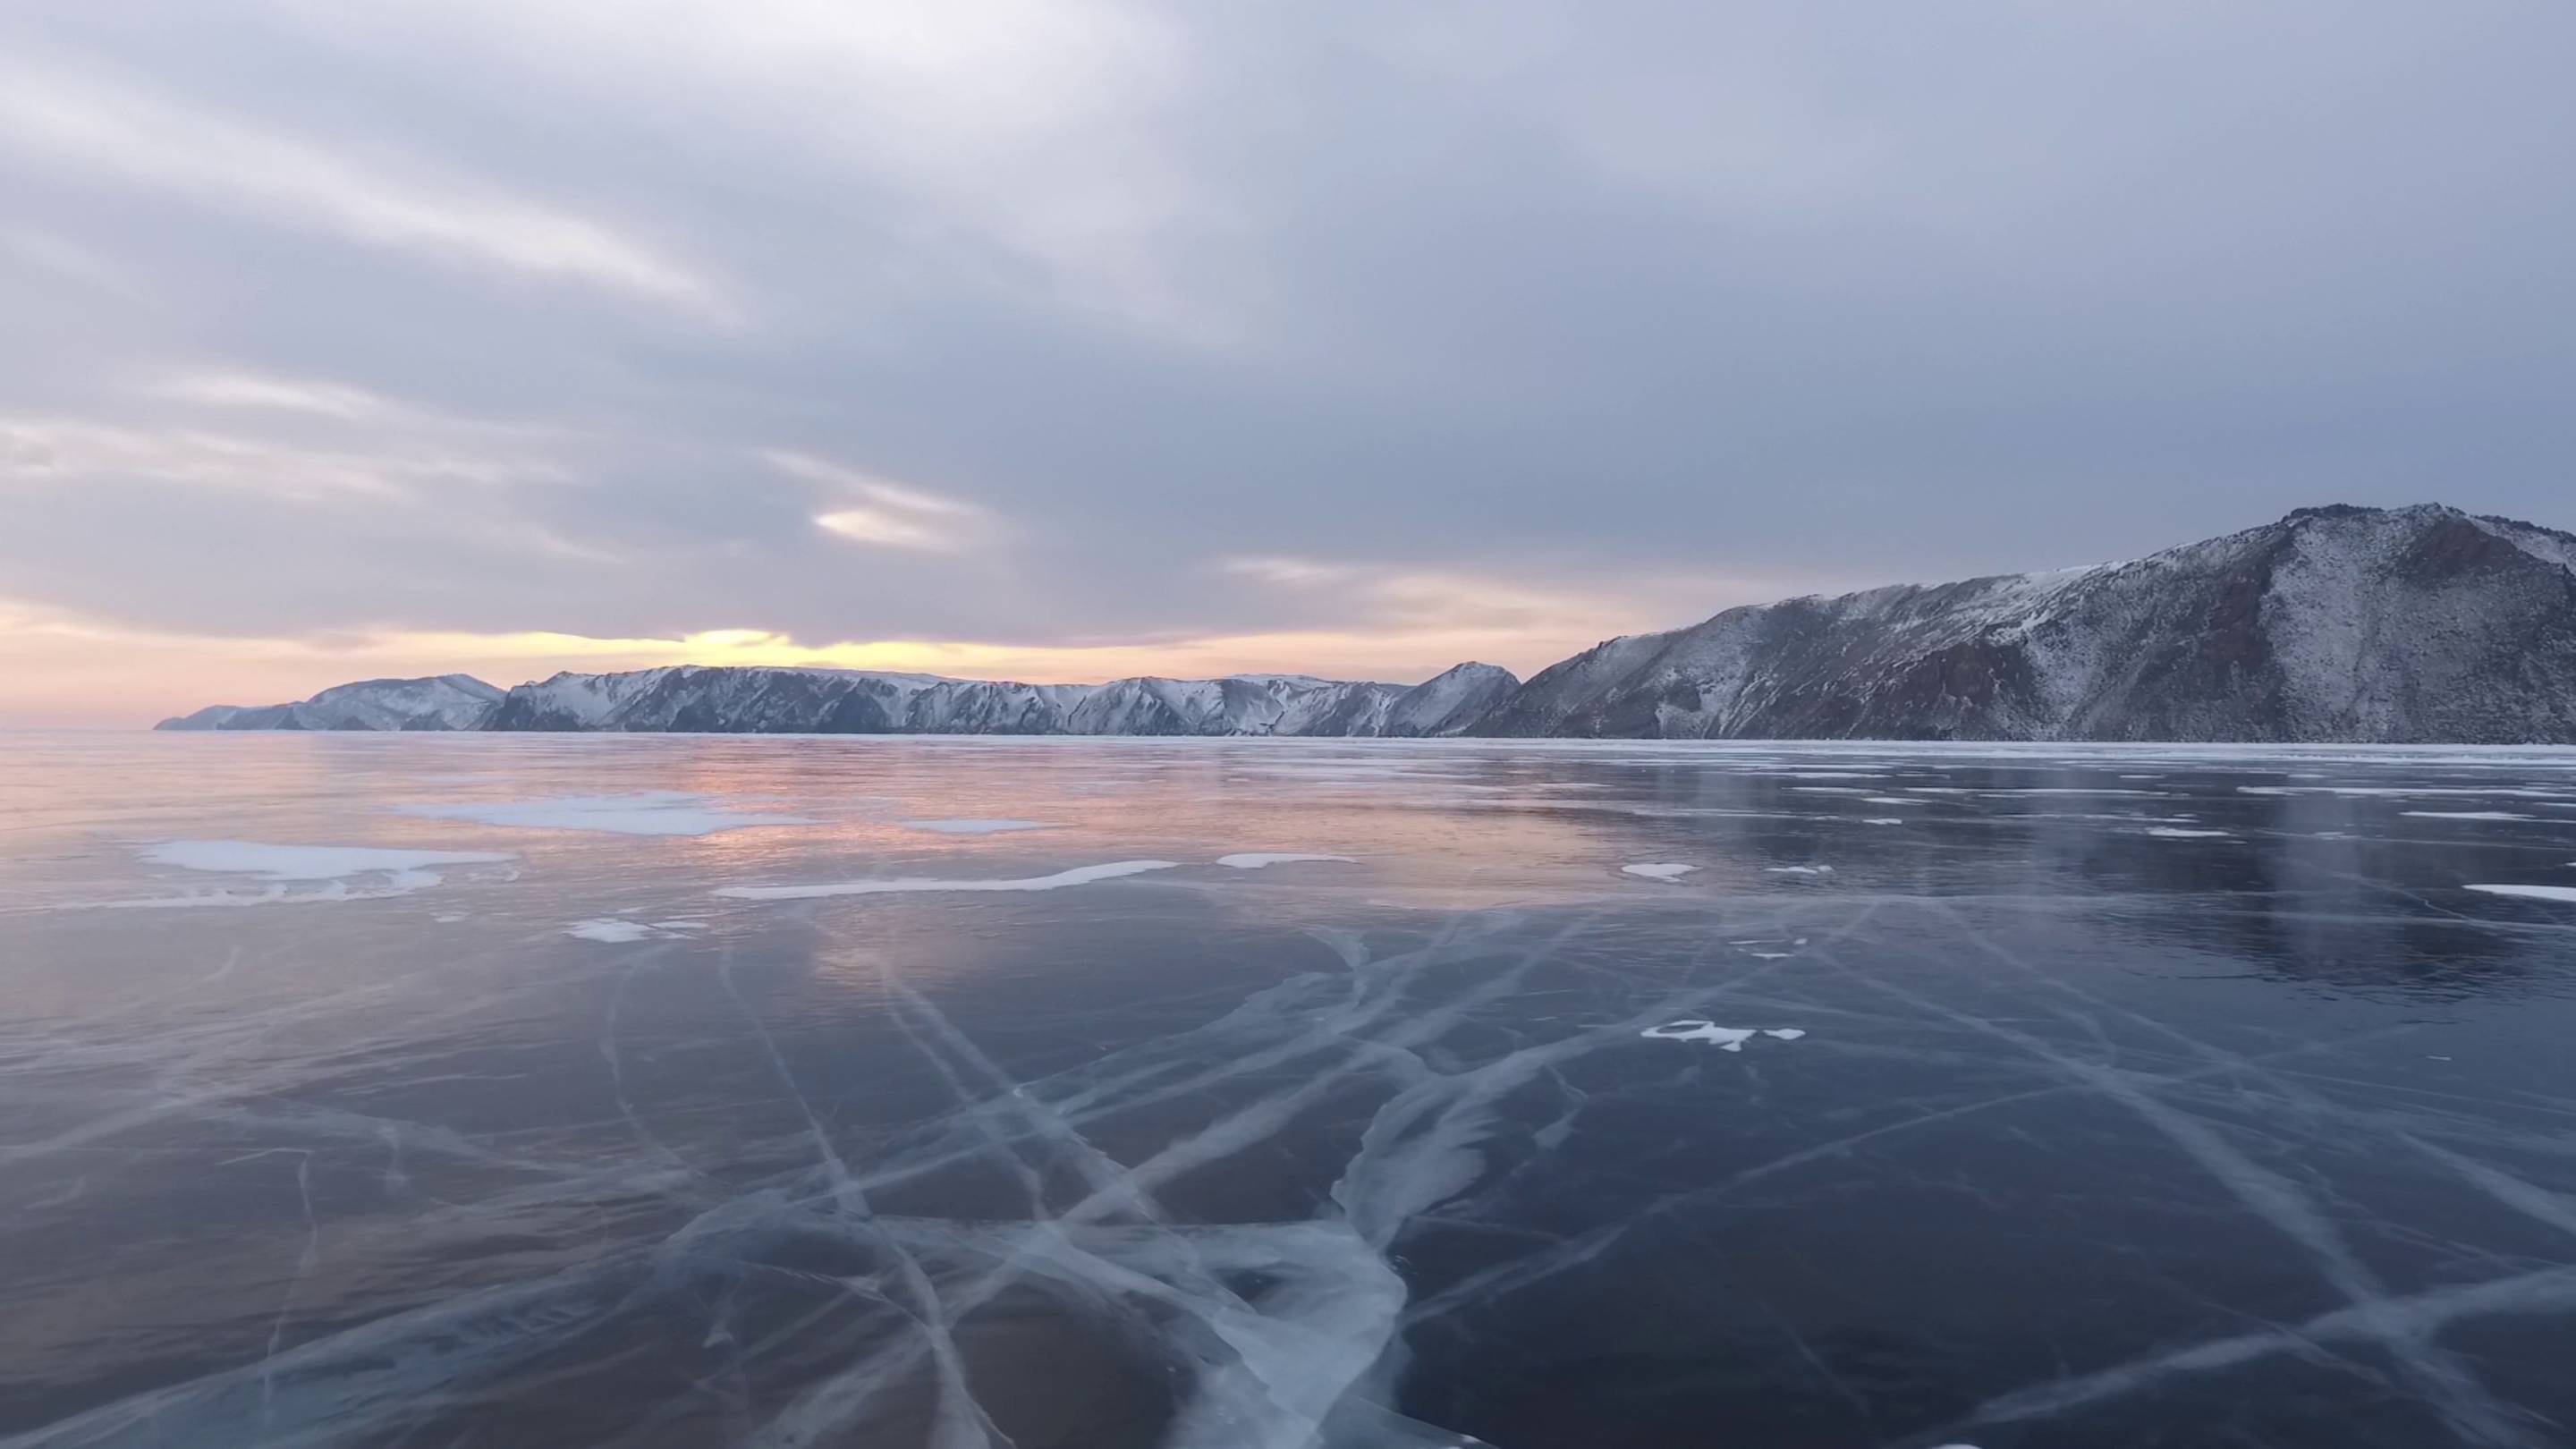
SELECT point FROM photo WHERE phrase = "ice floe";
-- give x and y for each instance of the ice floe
(907, 885)
(1255, 859)
(1880, 820)
(1658, 870)
(657, 812)
(2175, 832)
(1724, 1038)
(1798, 869)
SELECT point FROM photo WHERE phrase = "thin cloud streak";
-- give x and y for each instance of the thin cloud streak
(887, 514)
(110, 131)
(1034, 132)
(60, 257)
(253, 391)
(57, 451)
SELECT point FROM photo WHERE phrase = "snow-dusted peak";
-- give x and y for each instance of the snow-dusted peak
(440, 702)
(2333, 623)
(2336, 623)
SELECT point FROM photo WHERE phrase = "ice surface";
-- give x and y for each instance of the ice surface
(1424, 1153)
(975, 827)
(651, 813)
(905, 885)
(1255, 860)
(1659, 870)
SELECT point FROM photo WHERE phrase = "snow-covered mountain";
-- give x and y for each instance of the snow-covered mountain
(716, 699)
(2339, 623)
(1449, 703)
(441, 702)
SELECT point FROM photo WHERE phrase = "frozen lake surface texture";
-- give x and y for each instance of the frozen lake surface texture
(1260, 1094)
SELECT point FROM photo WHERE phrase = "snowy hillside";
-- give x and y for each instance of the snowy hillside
(827, 701)
(441, 702)
(2340, 623)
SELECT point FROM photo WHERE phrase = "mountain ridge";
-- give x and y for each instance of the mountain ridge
(2333, 623)
(2246, 637)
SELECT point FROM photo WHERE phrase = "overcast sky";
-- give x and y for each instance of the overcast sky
(1061, 339)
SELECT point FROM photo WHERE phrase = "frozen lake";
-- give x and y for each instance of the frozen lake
(1050, 1093)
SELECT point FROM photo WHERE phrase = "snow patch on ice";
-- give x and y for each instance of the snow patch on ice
(2531, 892)
(1658, 870)
(305, 862)
(2173, 832)
(2406, 791)
(1798, 869)
(657, 812)
(611, 930)
(1255, 859)
(1724, 1038)
(385, 872)
(2464, 814)
(1880, 820)
(907, 885)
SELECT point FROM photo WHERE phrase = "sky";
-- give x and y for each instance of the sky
(1067, 339)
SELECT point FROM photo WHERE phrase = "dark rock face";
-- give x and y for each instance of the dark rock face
(2396, 625)
(2420, 624)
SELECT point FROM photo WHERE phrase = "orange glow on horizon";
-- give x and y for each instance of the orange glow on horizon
(60, 670)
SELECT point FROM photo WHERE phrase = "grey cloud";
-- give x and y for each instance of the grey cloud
(1773, 297)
